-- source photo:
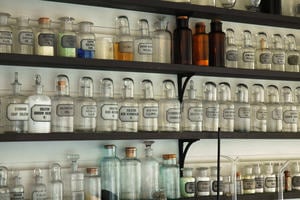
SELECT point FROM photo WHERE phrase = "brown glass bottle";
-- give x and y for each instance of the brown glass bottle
(182, 41)
(200, 45)
(216, 44)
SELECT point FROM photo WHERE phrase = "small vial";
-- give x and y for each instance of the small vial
(231, 50)
(258, 109)
(56, 184)
(187, 183)
(247, 52)
(44, 38)
(274, 110)
(248, 181)
(242, 109)
(270, 179)
(200, 45)
(296, 176)
(279, 57)
(85, 40)
(226, 108)
(214, 182)
(263, 53)
(143, 43)
(203, 182)
(289, 111)
(6, 36)
(39, 189)
(92, 184)
(292, 54)
(259, 179)
(66, 40)
(17, 189)
(239, 183)
(4, 190)
(24, 37)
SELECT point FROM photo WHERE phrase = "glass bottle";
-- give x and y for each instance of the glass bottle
(169, 109)
(150, 173)
(6, 36)
(66, 40)
(39, 189)
(259, 179)
(182, 37)
(296, 176)
(128, 108)
(287, 181)
(17, 189)
(214, 182)
(274, 110)
(187, 183)
(40, 107)
(17, 110)
(62, 115)
(271, 6)
(23, 37)
(130, 170)
(270, 179)
(297, 102)
(107, 118)
(110, 174)
(231, 50)
(148, 109)
(161, 42)
(242, 109)
(44, 38)
(247, 52)
(292, 54)
(279, 57)
(123, 46)
(252, 5)
(4, 190)
(77, 178)
(85, 45)
(263, 55)
(289, 111)
(258, 109)
(239, 183)
(169, 172)
(85, 107)
(56, 184)
(216, 44)
(226, 108)
(92, 185)
(200, 45)
(143, 43)
(227, 186)
(248, 181)
(203, 182)
(192, 111)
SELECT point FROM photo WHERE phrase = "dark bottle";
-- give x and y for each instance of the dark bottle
(216, 44)
(200, 45)
(271, 6)
(182, 41)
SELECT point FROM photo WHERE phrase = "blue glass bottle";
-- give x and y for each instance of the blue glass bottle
(85, 41)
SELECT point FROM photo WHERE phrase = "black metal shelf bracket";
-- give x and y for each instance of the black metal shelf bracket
(182, 86)
(183, 150)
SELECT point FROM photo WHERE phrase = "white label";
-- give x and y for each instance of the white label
(195, 114)
(129, 114)
(150, 112)
(68, 41)
(173, 115)
(265, 58)
(214, 186)
(126, 47)
(40, 195)
(270, 182)
(41, 113)
(109, 112)
(290, 116)
(232, 55)
(145, 48)
(293, 60)
(26, 38)
(65, 110)
(46, 39)
(228, 113)
(17, 112)
(277, 114)
(261, 114)
(88, 44)
(89, 111)
(211, 112)
(244, 112)
(203, 186)
(17, 195)
(279, 58)
(6, 37)
(248, 56)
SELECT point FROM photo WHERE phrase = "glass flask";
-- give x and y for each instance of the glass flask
(274, 110)
(169, 109)
(200, 45)
(39, 189)
(130, 170)
(85, 107)
(148, 109)
(128, 108)
(242, 109)
(192, 111)
(110, 174)
(203, 182)
(258, 109)
(252, 5)
(149, 172)
(62, 115)
(56, 184)
(107, 118)
(85, 44)
(248, 181)
(216, 44)
(289, 111)
(40, 107)
(6, 35)
(214, 182)
(259, 179)
(143, 43)
(295, 176)
(17, 189)
(227, 3)
(76, 178)
(161, 42)
(169, 173)
(23, 37)
(226, 108)
(92, 185)
(187, 183)
(4, 190)
(263, 53)
(210, 107)
(123, 46)
(292, 54)
(44, 38)
(297, 102)
(66, 40)
(247, 52)
(17, 110)
(279, 56)
(270, 179)
(231, 49)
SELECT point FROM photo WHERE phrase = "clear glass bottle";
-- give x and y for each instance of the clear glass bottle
(292, 54)
(279, 56)
(247, 52)
(150, 173)
(92, 184)
(216, 44)
(203, 182)
(107, 118)
(289, 111)
(214, 182)
(128, 108)
(187, 183)
(148, 109)
(252, 5)
(17, 189)
(263, 55)
(143, 43)
(85, 45)
(130, 170)
(242, 109)
(62, 115)
(231, 49)
(23, 37)
(169, 109)
(200, 45)
(39, 189)
(295, 176)
(123, 46)
(169, 173)
(210, 107)
(85, 107)
(258, 109)
(110, 174)
(227, 186)
(40, 107)
(66, 40)
(56, 184)
(239, 183)
(248, 181)
(274, 110)
(259, 179)
(297, 102)
(226, 108)
(192, 111)
(270, 179)
(76, 178)
(17, 110)
(4, 190)
(6, 35)
(44, 38)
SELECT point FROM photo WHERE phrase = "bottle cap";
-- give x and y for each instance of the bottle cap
(109, 146)
(62, 84)
(192, 90)
(44, 20)
(187, 172)
(86, 87)
(168, 156)
(85, 26)
(273, 94)
(277, 41)
(4, 18)
(224, 92)
(242, 93)
(55, 171)
(144, 28)
(107, 88)
(147, 88)
(128, 87)
(130, 152)
(92, 170)
(287, 95)
(210, 91)
(258, 94)
(169, 89)
(122, 26)
(247, 38)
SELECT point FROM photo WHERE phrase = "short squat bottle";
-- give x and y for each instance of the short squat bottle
(259, 179)
(85, 44)
(200, 45)
(203, 182)
(242, 109)
(231, 50)
(143, 43)
(23, 37)
(215, 187)
(44, 38)
(226, 108)
(39, 189)
(17, 189)
(216, 44)
(278, 58)
(289, 111)
(248, 181)
(263, 54)
(187, 183)
(247, 52)
(6, 35)
(274, 110)
(270, 179)
(56, 185)
(4, 190)
(292, 54)
(66, 39)
(258, 109)
(92, 185)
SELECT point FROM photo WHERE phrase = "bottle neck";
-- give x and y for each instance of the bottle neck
(216, 26)
(200, 29)
(110, 152)
(182, 23)
(39, 89)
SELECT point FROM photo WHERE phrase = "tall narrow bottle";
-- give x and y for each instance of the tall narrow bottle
(226, 108)
(274, 110)
(17, 189)
(247, 52)
(200, 45)
(4, 190)
(143, 43)
(44, 38)
(66, 40)
(289, 111)
(263, 55)
(297, 102)
(6, 36)
(56, 184)
(216, 44)
(242, 109)
(292, 54)
(249, 181)
(92, 185)
(278, 58)
(259, 179)
(77, 179)
(23, 37)
(258, 109)
(214, 182)
(85, 44)
(39, 189)
(270, 179)
(231, 50)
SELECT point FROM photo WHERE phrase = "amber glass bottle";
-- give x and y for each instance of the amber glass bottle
(216, 44)
(200, 45)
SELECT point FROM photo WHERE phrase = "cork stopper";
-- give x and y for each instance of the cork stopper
(168, 156)
(44, 20)
(92, 170)
(130, 152)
